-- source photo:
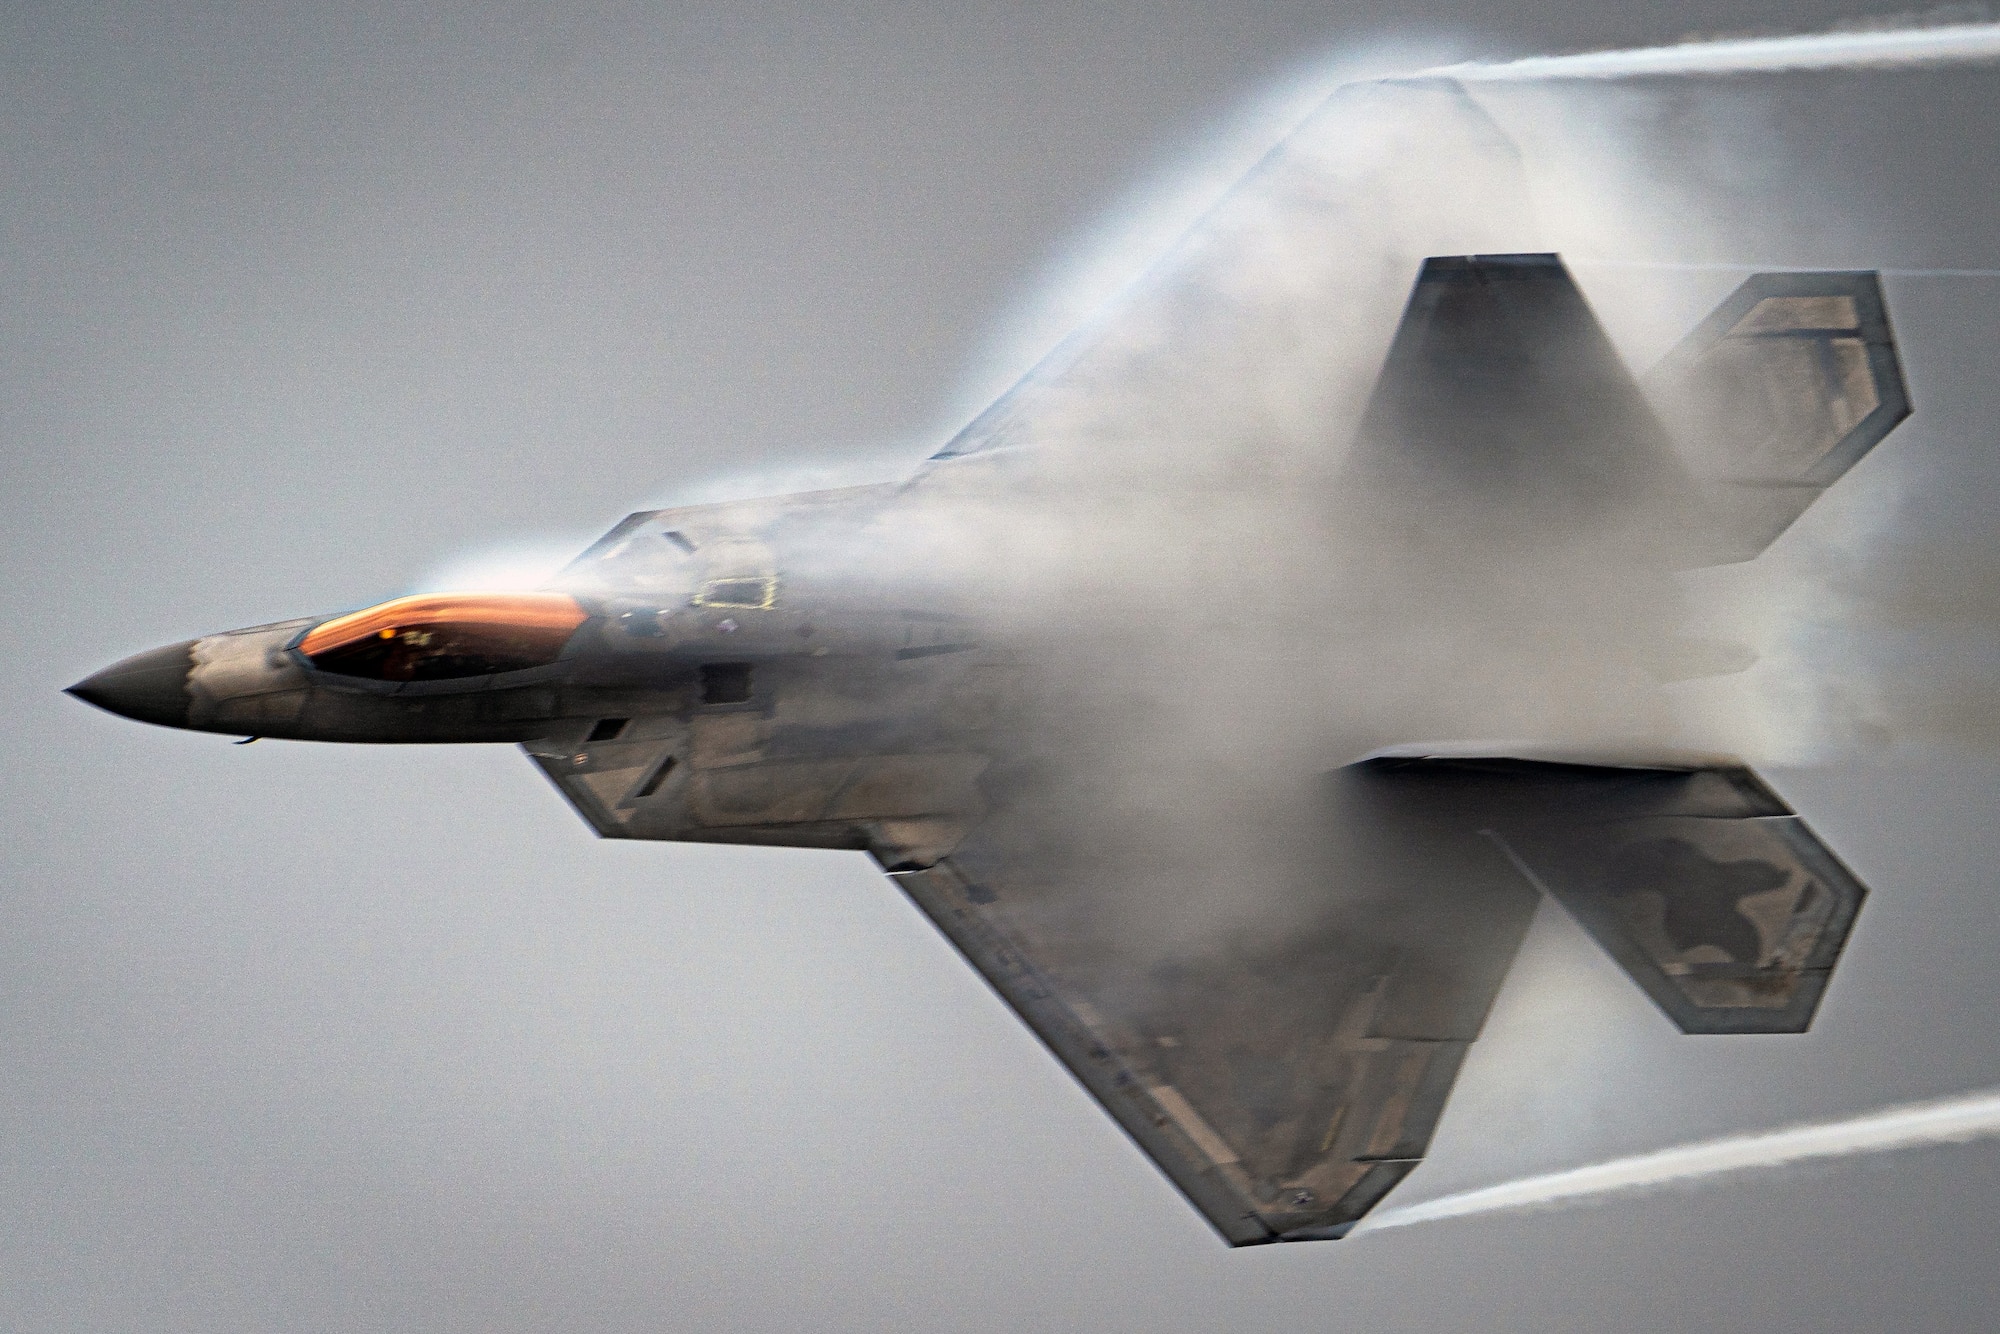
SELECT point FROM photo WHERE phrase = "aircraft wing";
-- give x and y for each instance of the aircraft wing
(1287, 1079)
(1284, 1078)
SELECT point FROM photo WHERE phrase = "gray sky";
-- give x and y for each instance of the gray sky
(300, 307)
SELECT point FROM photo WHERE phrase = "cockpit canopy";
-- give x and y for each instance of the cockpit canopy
(444, 636)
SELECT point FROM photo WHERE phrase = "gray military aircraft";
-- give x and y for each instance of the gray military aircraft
(737, 673)
(1135, 687)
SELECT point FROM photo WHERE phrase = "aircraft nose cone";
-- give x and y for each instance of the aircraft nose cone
(150, 687)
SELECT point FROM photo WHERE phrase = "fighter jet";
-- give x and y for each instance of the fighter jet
(747, 673)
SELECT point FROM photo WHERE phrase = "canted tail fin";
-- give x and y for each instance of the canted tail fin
(1503, 412)
(1774, 396)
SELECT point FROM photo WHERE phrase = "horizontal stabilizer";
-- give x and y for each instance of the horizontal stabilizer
(1700, 881)
(1774, 396)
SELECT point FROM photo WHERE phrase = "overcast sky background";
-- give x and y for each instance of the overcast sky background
(299, 307)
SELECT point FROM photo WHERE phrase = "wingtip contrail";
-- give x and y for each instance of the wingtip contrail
(1955, 1120)
(1955, 44)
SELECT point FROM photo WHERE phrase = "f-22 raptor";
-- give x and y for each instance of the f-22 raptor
(708, 674)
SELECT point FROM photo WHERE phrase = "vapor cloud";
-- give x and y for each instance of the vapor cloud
(1164, 519)
(1955, 1120)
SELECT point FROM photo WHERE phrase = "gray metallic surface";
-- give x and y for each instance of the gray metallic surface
(149, 687)
(1774, 396)
(1705, 886)
(1503, 406)
(1284, 1083)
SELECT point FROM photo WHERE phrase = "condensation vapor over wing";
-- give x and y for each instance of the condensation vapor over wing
(1151, 509)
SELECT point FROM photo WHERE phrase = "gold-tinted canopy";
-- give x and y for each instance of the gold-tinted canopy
(443, 635)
